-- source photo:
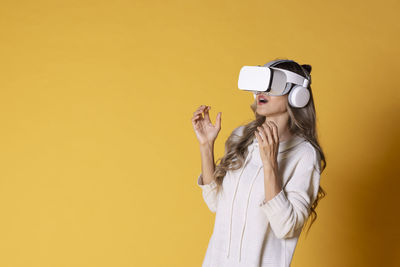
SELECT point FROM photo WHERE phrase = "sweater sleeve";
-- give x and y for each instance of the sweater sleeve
(209, 192)
(289, 209)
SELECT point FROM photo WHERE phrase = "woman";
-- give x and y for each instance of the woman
(266, 186)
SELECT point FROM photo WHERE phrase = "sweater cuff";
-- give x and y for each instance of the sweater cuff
(275, 204)
(203, 186)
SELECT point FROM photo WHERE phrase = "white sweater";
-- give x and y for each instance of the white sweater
(249, 233)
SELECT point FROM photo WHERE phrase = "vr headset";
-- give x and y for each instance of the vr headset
(275, 82)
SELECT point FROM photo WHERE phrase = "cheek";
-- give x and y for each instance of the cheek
(283, 105)
(279, 102)
(277, 105)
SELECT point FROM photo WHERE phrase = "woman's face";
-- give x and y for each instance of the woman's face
(275, 105)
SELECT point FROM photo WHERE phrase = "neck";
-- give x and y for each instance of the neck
(282, 122)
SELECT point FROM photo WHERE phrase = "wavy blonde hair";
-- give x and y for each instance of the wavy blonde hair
(302, 122)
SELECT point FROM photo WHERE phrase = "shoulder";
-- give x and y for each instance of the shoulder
(307, 149)
(234, 136)
(308, 154)
(238, 130)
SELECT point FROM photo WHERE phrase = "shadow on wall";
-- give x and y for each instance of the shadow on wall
(369, 213)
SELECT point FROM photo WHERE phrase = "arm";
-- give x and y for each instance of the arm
(288, 210)
(206, 179)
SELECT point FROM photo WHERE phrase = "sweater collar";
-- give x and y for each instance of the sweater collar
(286, 145)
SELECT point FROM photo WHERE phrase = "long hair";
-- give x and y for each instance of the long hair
(302, 122)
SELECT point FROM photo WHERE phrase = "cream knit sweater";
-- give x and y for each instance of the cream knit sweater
(250, 233)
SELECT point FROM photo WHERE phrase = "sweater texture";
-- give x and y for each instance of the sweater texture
(249, 232)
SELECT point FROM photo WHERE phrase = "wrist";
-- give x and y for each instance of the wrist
(207, 145)
(268, 165)
(270, 172)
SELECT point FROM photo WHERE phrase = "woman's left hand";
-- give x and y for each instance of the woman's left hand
(268, 142)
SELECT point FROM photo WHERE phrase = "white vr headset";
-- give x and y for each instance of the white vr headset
(275, 82)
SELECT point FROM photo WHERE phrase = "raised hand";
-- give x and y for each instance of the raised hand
(205, 131)
(268, 141)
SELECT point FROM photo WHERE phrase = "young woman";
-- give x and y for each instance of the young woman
(266, 186)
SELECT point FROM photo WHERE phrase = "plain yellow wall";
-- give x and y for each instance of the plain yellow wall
(98, 158)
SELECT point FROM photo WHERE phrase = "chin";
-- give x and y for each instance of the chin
(262, 113)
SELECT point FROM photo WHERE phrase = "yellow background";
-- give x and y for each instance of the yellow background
(98, 158)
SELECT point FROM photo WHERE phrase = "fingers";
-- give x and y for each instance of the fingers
(268, 133)
(201, 107)
(261, 133)
(198, 114)
(274, 131)
(206, 114)
(195, 118)
(259, 139)
(200, 110)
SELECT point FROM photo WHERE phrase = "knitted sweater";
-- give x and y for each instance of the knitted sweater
(249, 232)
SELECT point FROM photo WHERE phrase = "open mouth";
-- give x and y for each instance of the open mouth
(262, 100)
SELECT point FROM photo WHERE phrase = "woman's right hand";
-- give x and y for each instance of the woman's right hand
(205, 131)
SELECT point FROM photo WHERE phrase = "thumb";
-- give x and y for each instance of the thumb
(218, 120)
